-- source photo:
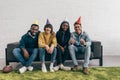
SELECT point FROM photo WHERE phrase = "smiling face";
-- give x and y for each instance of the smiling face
(65, 26)
(34, 30)
(78, 28)
(47, 30)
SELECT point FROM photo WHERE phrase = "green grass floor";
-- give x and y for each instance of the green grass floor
(97, 73)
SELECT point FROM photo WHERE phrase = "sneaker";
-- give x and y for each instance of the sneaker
(44, 69)
(56, 68)
(23, 69)
(75, 68)
(52, 69)
(66, 68)
(30, 68)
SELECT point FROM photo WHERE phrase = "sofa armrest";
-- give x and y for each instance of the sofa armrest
(11, 46)
(9, 51)
(96, 49)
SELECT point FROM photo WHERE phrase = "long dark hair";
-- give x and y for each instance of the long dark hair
(68, 30)
(60, 32)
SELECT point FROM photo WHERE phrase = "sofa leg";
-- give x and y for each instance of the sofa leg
(100, 62)
(7, 63)
(101, 58)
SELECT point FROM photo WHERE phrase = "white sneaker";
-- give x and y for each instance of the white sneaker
(66, 68)
(23, 69)
(30, 68)
(44, 69)
(51, 69)
(56, 68)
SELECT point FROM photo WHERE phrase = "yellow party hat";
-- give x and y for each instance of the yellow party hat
(35, 22)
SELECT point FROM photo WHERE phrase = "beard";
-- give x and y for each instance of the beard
(33, 34)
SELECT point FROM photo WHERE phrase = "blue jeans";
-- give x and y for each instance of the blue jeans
(86, 50)
(42, 53)
(18, 53)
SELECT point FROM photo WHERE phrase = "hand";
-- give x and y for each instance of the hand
(50, 50)
(72, 41)
(25, 54)
(47, 47)
(53, 33)
(62, 48)
(82, 41)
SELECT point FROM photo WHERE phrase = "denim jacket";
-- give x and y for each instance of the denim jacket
(77, 38)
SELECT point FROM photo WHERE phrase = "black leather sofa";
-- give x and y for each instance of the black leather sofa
(96, 53)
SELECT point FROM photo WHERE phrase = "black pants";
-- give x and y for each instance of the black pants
(61, 56)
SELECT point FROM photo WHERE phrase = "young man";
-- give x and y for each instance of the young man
(28, 48)
(80, 43)
(47, 44)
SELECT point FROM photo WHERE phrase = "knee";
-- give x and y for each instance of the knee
(88, 48)
(36, 49)
(71, 47)
(41, 49)
(55, 49)
(16, 51)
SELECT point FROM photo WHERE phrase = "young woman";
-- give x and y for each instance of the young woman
(63, 36)
(47, 44)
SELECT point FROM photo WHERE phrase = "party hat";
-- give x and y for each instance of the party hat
(66, 19)
(35, 22)
(79, 20)
(47, 22)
